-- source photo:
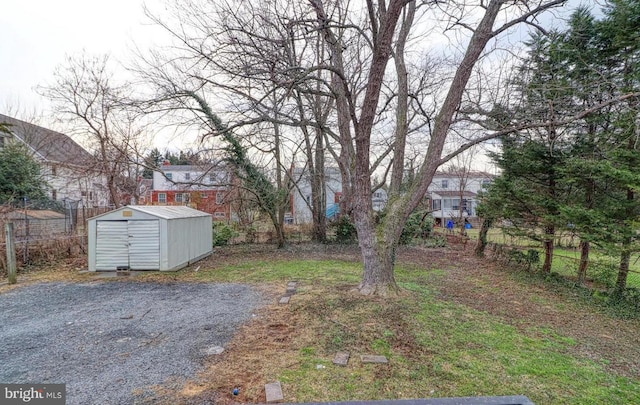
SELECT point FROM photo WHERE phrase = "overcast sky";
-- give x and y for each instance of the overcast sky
(35, 36)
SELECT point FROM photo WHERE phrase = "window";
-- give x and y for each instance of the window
(445, 184)
(486, 182)
(54, 194)
(455, 204)
(83, 193)
(162, 198)
(169, 176)
(91, 195)
(187, 176)
(436, 205)
(377, 194)
(220, 215)
(179, 197)
(219, 198)
(212, 178)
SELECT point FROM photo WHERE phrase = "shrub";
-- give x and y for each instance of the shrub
(419, 225)
(345, 230)
(222, 234)
(603, 271)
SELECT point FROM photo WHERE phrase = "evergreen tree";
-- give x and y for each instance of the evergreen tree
(19, 175)
(151, 162)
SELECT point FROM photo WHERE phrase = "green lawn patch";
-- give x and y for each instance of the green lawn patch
(435, 348)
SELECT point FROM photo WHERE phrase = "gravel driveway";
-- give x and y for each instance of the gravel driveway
(110, 341)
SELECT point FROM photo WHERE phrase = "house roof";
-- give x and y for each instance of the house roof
(209, 167)
(454, 194)
(470, 174)
(50, 145)
(162, 211)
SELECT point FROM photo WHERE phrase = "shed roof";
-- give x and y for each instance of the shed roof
(169, 212)
(161, 211)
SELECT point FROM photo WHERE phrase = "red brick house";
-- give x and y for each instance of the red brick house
(207, 189)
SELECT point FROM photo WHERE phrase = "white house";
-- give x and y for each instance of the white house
(66, 166)
(455, 193)
(301, 195)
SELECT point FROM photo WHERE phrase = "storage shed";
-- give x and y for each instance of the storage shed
(144, 237)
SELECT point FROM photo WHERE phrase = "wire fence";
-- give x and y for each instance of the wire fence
(43, 236)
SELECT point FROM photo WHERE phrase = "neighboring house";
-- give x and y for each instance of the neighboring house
(65, 165)
(206, 188)
(301, 195)
(452, 194)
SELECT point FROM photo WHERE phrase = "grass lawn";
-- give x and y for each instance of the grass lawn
(437, 347)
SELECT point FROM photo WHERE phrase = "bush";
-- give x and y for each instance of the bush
(434, 241)
(222, 234)
(627, 302)
(345, 230)
(419, 225)
(604, 271)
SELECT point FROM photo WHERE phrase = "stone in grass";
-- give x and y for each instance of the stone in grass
(371, 358)
(291, 290)
(292, 284)
(284, 300)
(341, 359)
(274, 392)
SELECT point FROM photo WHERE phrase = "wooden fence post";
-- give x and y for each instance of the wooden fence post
(11, 252)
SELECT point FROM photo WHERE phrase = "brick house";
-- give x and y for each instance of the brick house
(206, 188)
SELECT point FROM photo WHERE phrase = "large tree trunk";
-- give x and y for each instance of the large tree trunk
(378, 257)
(318, 193)
(625, 256)
(482, 236)
(378, 277)
(550, 231)
(585, 248)
(623, 272)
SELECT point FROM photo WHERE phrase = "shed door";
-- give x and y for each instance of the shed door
(144, 245)
(112, 245)
(133, 244)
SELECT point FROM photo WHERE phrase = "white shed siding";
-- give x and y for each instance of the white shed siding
(144, 245)
(112, 250)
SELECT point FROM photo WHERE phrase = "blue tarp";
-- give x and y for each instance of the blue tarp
(333, 210)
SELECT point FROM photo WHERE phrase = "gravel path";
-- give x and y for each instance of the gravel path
(110, 341)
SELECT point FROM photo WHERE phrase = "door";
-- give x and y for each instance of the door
(112, 245)
(131, 244)
(144, 245)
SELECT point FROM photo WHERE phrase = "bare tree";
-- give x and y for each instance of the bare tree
(378, 241)
(461, 170)
(261, 65)
(261, 61)
(95, 110)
